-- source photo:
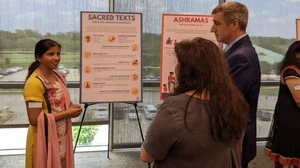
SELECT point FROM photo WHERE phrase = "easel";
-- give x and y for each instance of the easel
(86, 105)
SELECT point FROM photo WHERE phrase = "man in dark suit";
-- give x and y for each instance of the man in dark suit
(230, 22)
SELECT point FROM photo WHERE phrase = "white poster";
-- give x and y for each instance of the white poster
(298, 29)
(176, 27)
(111, 50)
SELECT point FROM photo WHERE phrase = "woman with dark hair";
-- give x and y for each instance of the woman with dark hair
(203, 123)
(49, 110)
(283, 144)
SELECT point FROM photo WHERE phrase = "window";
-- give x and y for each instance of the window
(24, 22)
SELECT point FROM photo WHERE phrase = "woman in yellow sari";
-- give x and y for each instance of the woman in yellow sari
(45, 91)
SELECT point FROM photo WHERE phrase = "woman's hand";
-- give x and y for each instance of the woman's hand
(76, 105)
(74, 111)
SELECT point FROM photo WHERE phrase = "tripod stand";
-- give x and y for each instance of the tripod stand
(86, 105)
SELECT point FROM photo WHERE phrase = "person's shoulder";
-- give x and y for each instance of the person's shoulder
(291, 71)
(33, 85)
(175, 101)
(245, 52)
(173, 98)
(33, 80)
(239, 56)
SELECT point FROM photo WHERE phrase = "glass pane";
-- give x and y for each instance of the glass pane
(13, 140)
(24, 22)
(126, 130)
(13, 110)
(265, 110)
(91, 135)
(272, 18)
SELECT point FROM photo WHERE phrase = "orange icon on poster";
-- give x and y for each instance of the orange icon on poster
(87, 69)
(135, 62)
(135, 91)
(111, 39)
(134, 77)
(87, 55)
(134, 47)
(88, 38)
(87, 84)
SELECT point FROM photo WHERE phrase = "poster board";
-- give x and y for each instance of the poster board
(176, 27)
(298, 29)
(111, 57)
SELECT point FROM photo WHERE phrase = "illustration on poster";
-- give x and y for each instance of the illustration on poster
(171, 82)
(87, 69)
(135, 91)
(169, 41)
(165, 88)
(88, 38)
(87, 55)
(111, 38)
(87, 85)
(134, 77)
(134, 47)
(135, 62)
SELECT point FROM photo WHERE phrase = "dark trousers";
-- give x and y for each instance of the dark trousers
(244, 165)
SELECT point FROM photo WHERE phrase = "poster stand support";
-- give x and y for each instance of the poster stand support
(141, 130)
(138, 118)
(86, 105)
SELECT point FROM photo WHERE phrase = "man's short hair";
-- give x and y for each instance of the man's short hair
(233, 10)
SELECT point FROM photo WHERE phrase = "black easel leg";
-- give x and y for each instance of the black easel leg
(141, 131)
(109, 119)
(85, 107)
(137, 114)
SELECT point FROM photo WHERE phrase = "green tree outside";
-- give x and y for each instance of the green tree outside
(87, 134)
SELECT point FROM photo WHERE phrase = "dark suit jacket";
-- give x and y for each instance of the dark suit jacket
(245, 71)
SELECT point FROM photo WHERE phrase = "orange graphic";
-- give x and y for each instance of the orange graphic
(134, 47)
(87, 69)
(135, 62)
(111, 38)
(87, 55)
(88, 38)
(87, 84)
(135, 91)
(134, 77)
